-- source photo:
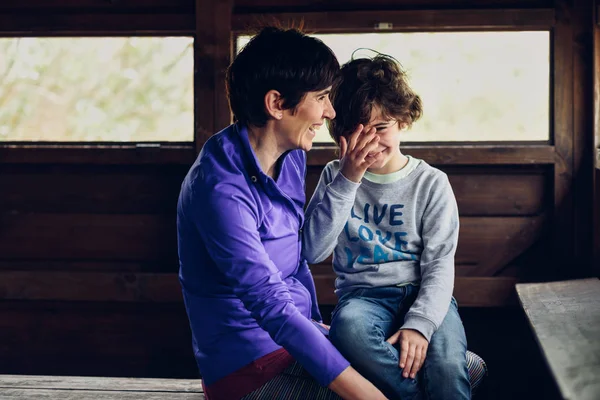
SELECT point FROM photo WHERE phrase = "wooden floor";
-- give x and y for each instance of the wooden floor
(88, 388)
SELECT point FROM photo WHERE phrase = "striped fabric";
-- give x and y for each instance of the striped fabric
(296, 384)
(477, 370)
(293, 384)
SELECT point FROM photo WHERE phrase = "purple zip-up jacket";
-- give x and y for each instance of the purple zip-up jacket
(246, 289)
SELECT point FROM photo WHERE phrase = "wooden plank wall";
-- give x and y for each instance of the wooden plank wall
(88, 257)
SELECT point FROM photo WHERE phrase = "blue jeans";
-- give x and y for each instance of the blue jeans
(365, 318)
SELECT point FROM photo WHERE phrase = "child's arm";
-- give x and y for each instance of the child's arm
(326, 214)
(440, 237)
(330, 205)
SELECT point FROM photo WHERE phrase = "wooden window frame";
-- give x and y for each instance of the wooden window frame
(565, 154)
(89, 18)
(478, 153)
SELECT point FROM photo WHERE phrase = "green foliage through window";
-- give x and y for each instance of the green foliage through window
(113, 89)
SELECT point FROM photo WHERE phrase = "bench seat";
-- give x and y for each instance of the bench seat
(98, 388)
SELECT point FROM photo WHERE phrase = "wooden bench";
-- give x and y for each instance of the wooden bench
(88, 388)
(565, 318)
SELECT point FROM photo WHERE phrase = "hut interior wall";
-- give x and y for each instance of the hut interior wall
(88, 256)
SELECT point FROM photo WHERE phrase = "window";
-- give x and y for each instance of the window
(97, 89)
(475, 86)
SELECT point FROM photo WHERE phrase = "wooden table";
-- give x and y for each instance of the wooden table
(88, 388)
(565, 318)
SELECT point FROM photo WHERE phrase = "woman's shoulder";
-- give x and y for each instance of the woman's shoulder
(219, 163)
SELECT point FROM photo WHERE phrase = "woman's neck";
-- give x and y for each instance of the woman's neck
(264, 143)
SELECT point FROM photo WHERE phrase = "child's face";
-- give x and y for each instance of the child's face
(389, 131)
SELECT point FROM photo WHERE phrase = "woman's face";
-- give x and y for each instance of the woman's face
(297, 128)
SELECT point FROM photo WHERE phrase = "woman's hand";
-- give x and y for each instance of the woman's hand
(351, 385)
(413, 350)
(354, 153)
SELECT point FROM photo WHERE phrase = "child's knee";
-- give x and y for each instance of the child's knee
(447, 369)
(350, 330)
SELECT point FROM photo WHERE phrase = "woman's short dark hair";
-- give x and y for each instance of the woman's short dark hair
(285, 60)
(367, 82)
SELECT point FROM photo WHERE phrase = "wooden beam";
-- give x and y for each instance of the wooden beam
(165, 288)
(489, 191)
(20, 394)
(319, 156)
(212, 49)
(89, 237)
(596, 176)
(402, 20)
(151, 238)
(257, 6)
(95, 5)
(95, 24)
(582, 186)
(460, 154)
(512, 247)
(96, 154)
(562, 78)
(93, 189)
(101, 383)
(89, 286)
(469, 292)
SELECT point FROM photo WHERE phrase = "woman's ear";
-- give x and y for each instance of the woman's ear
(274, 104)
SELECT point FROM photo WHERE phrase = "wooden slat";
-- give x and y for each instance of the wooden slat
(513, 246)
(326, 268)
(596, 178)
(222, 57)
(501, 154)
(404, 20)
(89, 286)
(565, 317)
(483, 238)
(596, 260)
(583, 136)
(95, 154)
(563, 140)
(96, 338)
(486, 192)
(469, 292)
(123, 267)
(101, 383)
(80, 237)
(306, 5)
(491, 194)
(212, 49)
(21, 394)
(109, 5)
(91, 189)
(88, 237)
(55, 24)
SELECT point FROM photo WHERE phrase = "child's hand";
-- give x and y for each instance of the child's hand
(413, 350)
(354, 153)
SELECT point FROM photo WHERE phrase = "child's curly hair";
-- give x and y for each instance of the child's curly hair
(367, 82)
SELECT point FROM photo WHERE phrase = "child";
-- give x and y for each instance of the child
(391, 221)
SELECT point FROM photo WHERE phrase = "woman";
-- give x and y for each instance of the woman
(249, 296)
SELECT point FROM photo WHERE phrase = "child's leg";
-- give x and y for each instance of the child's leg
(362, 322)
(445, 374)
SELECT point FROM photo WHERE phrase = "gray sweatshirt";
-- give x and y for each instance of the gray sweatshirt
(386, 234)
